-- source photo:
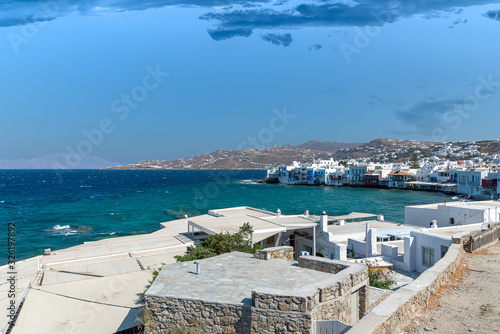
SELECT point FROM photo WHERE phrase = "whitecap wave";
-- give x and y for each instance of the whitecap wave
(247, 181)
(69, 232)
(59, 227)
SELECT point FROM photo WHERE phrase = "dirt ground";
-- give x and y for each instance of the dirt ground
(470, 302)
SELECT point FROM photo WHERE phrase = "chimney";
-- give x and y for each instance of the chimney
(323, 222)
(278, 213)
(306, 213)
(434, 224)
(198, 269)
(342, 222)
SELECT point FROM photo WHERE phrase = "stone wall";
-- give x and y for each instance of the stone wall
(273, 299)
(338, 309)
(271, 253)
(394, 313)
(272, 321)
(275, 310)
(334, 299)
(322, 264)
(208, 316)
(272, 310)
(278, 311)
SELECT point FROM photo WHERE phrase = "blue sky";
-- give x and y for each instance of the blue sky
(167, 79)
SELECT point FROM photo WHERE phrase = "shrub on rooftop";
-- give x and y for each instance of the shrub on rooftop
(381, 279)
(221, 243)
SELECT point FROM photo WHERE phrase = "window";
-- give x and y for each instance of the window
(444, 249)
(307, 249)
(427, 256)
(452, 221)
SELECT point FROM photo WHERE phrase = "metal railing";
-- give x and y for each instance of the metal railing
(10, 322)
(477, 241)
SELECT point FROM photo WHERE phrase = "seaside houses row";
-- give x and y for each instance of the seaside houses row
(460, 177)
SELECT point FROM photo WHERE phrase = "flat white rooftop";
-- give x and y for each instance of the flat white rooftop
(352, 215)
(356, 230)
(94, 287)
(451, 231)
(242, 211)
(264, 223)
(477, 205)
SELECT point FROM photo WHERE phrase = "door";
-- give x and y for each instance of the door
(354, 308)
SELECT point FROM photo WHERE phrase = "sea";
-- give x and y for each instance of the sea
(58, 209)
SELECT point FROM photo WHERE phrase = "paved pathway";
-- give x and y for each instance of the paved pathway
(470, 302)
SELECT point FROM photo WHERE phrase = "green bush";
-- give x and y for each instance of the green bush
(156, 272)
(381, 279)
(213, 245)
(221, 243)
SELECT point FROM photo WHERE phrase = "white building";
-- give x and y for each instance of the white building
(423, 174)
(335, 177)
(453, 213)
(425, 247)
(469, 182)
(399, 179)
(358, 174)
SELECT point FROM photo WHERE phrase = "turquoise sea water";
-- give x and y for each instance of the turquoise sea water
(65, 208)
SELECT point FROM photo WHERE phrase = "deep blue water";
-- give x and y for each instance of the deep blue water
(65, 208)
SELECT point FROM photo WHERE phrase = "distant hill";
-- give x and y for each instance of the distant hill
(379, 150)
(327, 146)
(58, 161)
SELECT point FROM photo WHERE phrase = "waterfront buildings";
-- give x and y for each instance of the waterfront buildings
(454, 177)
(469, 182)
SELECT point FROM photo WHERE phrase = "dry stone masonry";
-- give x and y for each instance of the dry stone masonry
(283, 253)
(272, 310)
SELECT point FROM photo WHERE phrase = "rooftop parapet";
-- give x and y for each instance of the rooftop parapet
(271, 253)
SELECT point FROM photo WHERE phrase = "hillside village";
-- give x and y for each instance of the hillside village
(378, 150)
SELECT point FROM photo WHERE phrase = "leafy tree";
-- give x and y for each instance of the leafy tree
(221, 243)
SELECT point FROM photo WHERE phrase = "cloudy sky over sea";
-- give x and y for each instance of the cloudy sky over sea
(164, 79)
